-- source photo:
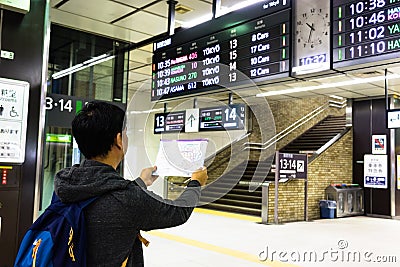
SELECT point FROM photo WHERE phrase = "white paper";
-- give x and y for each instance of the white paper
(180, 157)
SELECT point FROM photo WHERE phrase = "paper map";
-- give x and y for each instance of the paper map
(180, 157)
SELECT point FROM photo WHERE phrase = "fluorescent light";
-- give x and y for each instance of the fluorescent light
(240, 5)
(222, 11)
(81, 66)
(197, 21)
(329, 85)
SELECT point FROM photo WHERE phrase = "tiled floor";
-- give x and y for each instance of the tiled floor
(209, 240)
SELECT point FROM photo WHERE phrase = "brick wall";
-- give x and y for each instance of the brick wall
(332, 166)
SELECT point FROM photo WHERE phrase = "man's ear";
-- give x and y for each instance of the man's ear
(118, 141)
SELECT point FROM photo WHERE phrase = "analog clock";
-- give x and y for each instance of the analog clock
(312, 27)
(311, 36)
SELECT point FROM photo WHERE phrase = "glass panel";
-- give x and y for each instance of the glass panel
(57, 155)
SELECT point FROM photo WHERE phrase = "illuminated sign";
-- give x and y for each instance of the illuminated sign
(365, 31)
(254, 41)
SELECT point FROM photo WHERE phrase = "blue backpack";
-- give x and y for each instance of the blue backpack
(57, 238)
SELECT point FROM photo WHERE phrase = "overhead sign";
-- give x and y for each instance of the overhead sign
(365, 31)
(14, 96)
(254, 41)
(192, 120)
(169, 122)
(379, 144)
(291, 166)
(375, 171)
(21, 6)
(230, 117)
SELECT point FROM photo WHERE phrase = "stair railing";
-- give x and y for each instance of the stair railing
(273, 140)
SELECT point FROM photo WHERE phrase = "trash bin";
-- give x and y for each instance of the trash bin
(327, 209)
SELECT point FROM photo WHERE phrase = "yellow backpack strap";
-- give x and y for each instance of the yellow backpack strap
(125, 262)
(143, 240)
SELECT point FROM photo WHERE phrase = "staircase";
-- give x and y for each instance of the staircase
(239, 199)
(317, 136)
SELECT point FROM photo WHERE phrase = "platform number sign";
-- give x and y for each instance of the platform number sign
(292, 166)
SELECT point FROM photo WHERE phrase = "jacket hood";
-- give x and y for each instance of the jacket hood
(88, 179)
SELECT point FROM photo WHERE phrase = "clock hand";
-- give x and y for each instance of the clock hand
(311, 26)
(309, 37)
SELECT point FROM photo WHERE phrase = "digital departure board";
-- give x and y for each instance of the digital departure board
(221, 118)
(169, 122)
(365, 31)
(254, 41)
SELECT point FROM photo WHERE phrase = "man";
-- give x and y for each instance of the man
(123, 207)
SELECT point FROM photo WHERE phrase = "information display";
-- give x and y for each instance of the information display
(365, 31)
(221, 118)
(169, 122)
(254, 43)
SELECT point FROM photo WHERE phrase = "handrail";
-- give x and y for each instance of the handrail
(295, 125)
(328, 144)
(210, 157)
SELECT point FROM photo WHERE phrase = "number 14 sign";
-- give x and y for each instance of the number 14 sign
(291, 166)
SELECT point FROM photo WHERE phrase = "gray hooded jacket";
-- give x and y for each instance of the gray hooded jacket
(122, 209)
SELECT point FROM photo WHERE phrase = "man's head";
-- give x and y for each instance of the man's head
(96, 128)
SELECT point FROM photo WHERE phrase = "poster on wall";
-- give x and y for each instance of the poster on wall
(14, 97)
(375, 171)
(379, 144)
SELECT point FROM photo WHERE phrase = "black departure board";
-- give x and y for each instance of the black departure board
(365, 31)
(222, 118)
(169, 122)
(254, 41)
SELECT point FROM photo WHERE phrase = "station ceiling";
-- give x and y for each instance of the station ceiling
(135, 21)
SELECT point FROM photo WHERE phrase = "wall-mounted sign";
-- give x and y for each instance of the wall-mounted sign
(375, 171)
(14, 96)
(21, 6)
(230, 117)
(379, 144)
(393, 117)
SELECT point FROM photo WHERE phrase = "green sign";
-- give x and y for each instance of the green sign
(59, 138)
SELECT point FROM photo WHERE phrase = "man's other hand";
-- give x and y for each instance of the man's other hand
(200, 175)
(147, 175)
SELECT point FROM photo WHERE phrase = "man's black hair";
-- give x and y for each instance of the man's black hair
(96, 126)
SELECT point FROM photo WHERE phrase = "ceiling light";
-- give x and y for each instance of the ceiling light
(197, 21)
(88, 63)
(329, 85)
(240, 5)
(181, 9)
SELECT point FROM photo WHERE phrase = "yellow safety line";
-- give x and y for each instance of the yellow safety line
(228, 215)
(226, 251)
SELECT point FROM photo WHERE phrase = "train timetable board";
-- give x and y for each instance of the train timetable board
(223, 118)
(365, 31)
(254, 41)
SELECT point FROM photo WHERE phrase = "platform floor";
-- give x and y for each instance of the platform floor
(212, 239)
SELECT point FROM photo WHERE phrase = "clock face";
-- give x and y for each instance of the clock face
(311, 36)
(312, 28)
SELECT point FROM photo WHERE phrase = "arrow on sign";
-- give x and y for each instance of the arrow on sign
(191, 119)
